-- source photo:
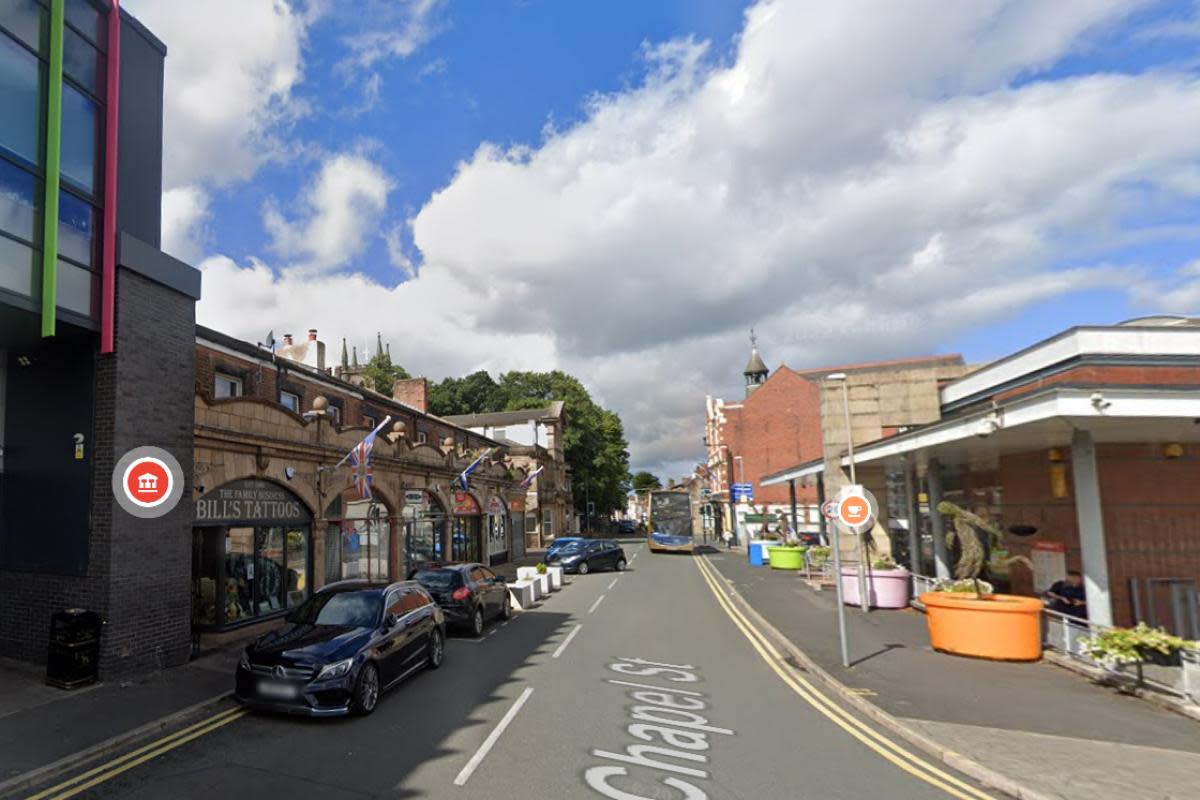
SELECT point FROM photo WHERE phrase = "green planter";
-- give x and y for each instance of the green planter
(786, 557)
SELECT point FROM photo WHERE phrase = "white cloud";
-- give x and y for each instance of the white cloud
(184, 214)
(1178, 293)
(856, 185)
(397, 29)
(339, 214)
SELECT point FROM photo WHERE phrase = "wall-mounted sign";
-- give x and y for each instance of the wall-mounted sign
(414, 497)
(251, 500)
(743, 493)
(516, 504)
(1049, 564)
(465, 504)
(496, 506)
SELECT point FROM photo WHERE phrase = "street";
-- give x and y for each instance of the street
(640, 684)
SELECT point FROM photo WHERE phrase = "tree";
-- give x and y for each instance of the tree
(381, 373)
(475, 394)
(644, 480)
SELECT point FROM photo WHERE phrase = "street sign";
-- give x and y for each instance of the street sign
(743, 493)
(830, 510)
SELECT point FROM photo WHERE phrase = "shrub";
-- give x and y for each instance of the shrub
(1133, 645)
(541, 568)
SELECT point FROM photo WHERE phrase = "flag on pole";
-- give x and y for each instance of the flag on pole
(529, 478)
(360, 461)
(474, 464)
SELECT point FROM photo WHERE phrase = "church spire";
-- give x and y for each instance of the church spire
(378, 344)
(756, 371)
(345, 356)
(356, 356)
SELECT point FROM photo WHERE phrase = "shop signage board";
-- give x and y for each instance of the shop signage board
(856, 508)
(516, 504)
(743, 493)
(251, 500)
(1049, 564)
(465, 504)
(414, 497)
(496, 507)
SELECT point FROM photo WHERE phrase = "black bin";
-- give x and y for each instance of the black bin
(74, 656)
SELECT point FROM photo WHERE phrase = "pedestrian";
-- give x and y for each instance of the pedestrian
(1068, 596)
(727, 535)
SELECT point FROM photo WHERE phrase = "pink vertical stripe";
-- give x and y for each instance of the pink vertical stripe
(108, 276)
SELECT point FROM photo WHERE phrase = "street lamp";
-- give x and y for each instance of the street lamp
(864, 599)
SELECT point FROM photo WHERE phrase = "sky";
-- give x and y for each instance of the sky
(622, 189)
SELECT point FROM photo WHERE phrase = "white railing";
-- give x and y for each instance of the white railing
(1062, 633)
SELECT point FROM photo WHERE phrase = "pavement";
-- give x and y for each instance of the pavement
(642, 684)
(1049, 730)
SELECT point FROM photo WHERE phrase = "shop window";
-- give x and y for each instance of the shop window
(290, 401)
(227, 386)
(363, 528)
(424, 531)
(465, 539)
(20, 97)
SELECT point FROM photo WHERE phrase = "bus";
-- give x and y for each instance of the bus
(670, 521)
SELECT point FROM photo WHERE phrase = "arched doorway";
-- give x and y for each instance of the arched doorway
(424, 528)
(358, 542)
(251, 554)
(465, 533)
(497, 531)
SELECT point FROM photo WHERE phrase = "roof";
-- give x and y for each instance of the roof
(501, 418)
(755, 364)
(897, 363)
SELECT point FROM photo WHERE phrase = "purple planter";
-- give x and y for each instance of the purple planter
(887, 588)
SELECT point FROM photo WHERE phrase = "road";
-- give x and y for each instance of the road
(643, 684)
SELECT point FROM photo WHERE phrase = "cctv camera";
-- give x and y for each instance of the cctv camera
(1099, 402)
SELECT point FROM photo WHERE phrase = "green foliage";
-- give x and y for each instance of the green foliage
(1132, 645)
(817, 556)
(595, 445)
(965, 586)
(541, 568)
(381, 374)
(643, 480)
(884, 562)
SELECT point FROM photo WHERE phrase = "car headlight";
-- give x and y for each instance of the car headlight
(244, 662)
(335, 670)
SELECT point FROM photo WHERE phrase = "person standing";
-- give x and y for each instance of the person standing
(1068, 596)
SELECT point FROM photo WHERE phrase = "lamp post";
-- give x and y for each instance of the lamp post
(863, 593)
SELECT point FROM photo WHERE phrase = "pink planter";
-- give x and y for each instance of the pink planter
(887, 588)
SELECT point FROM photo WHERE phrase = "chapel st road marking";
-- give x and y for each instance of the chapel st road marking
(910, 763)
(465, 773)
(566, 641)
(111, 769)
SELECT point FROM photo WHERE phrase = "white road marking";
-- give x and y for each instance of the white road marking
(485, 748)
(566, 641)
(614, 582)
(593, 608)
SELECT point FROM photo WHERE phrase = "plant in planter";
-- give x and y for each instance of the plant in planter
(886, 584)
(788, 553)
(817, 556)
(964, 616)
(541, 568)
(1140, 644)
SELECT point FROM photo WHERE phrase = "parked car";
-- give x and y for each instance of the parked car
(560, 543)
(589, 555)
(342, 648)
(627, 526)
(468, 594)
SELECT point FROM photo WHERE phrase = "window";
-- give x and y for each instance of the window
(83, 63)
(20, 97)
(80, 131)
(84, 17)
(76, 233)
(335, 413)
(370, 421)
(23, 18)
(547, 523)
(477, 576)
(227, 386)
(290, 401)
(17, 209)
(531, 522)
(422, 437)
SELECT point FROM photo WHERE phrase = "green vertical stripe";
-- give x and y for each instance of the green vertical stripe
(53, 159)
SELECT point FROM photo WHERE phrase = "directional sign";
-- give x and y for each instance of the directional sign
(743, 493)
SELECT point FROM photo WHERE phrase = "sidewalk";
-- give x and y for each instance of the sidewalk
(1041, 726)
(39, 725)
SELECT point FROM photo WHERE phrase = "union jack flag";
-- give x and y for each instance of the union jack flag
(360, 464)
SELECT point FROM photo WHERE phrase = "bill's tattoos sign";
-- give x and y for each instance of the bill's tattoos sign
(251, 500)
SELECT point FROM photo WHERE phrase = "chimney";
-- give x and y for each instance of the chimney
(287, 340)
(312, 334)
(413, 392)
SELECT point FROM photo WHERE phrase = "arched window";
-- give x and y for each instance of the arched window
(359, 537)
(424, 528)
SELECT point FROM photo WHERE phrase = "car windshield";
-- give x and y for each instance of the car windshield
(437, 578)
(571, 547)
(353, 609)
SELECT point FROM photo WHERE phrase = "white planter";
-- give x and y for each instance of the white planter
(523, 594)
(556, 578)
(527, 573)
(1190, 660)
(544, 584)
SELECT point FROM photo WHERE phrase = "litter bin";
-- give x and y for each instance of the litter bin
(758, 553)
(74, 656)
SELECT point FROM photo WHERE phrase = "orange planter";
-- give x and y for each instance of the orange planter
(1004, 627)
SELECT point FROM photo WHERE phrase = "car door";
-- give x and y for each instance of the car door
(495, 590)
(392, 638)
(416, 622)
(481, 588)
(595, 555)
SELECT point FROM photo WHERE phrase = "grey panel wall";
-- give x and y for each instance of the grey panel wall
(140, 141)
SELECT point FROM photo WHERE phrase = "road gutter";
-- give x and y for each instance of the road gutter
(968, 766)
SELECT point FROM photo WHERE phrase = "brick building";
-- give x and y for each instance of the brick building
(96, 337)
(1084, 448)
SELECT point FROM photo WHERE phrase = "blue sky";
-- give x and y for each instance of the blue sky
(622, 189)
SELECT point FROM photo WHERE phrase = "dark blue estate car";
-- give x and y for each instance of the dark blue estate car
(342, 648)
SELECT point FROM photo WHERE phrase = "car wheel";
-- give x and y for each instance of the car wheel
(366, 691)
(477, 622)
(437, 649)
(506, 608)
(620, 565)
(583, 568)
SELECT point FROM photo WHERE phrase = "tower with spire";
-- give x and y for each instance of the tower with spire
(756, 371)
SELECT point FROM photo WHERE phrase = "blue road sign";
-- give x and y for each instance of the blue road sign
(743, 493)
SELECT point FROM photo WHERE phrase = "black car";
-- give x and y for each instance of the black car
(469, 594)
(589, 555)
(342, 648)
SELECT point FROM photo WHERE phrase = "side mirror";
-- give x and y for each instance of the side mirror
(390, 621)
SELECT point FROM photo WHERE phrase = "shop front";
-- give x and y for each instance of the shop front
(497, 531)
(424, 528)
(358, 543)
(466, 528)
(251, 554)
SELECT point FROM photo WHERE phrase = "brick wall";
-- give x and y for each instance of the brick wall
(413, 392)
(1112, 375)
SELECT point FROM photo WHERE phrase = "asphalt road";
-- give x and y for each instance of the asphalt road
(561, 703)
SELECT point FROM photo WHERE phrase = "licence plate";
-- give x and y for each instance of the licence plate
(277, 690)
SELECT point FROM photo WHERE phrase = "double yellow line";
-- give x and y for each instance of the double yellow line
(111, 769)
(879, 743)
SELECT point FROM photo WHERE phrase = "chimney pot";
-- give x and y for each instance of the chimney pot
(312, 334)
(287, 338)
